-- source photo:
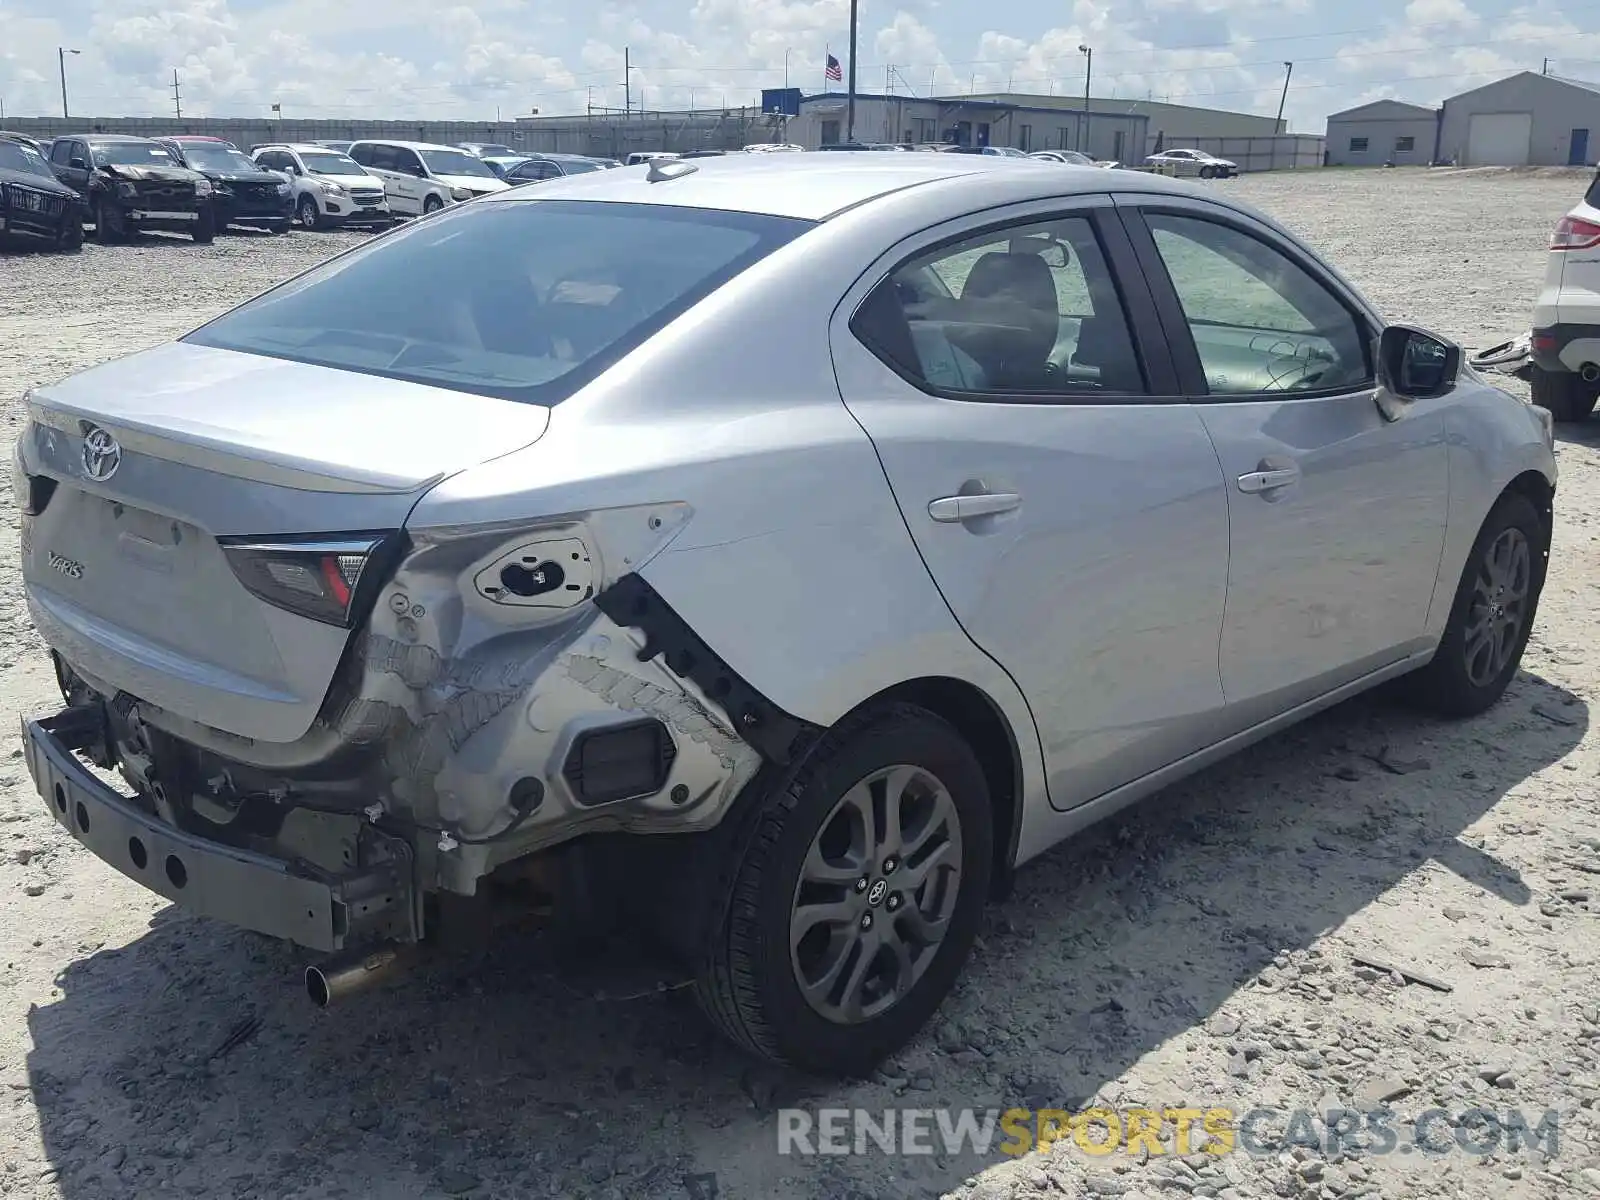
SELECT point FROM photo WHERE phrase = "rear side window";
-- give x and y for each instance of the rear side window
(1592, 196)
(525, 301)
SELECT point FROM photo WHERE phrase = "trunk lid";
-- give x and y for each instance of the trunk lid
(124, 573)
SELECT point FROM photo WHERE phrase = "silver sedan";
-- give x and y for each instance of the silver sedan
(781, 549)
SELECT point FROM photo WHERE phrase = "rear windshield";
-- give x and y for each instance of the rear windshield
(524, 300)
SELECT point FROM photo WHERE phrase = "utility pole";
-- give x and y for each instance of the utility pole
(1546, 70)
(627, 83)
(177, 100)
(786, 69)
(1288, 70)
(1088, 73)
(850, 107)
(61, 61)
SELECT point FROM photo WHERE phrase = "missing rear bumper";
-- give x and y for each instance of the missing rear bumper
(277, 897)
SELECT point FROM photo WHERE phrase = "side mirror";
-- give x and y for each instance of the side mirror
(1415, 364)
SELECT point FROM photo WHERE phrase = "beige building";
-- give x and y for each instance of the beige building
(1382, 132)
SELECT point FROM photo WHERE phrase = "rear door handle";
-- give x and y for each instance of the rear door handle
(963, 508)
(1256, 482)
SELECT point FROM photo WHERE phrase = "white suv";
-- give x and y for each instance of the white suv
(421, 178)
(1565, 343)
(330, 188)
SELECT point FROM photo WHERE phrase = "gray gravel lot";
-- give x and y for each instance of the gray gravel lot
(1196, 952)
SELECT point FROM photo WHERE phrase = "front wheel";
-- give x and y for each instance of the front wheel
(205, 228)
(852, 896)
(109, 227)
(1491, 616)
(306, 213)
(1567, 397)
(1208, 172)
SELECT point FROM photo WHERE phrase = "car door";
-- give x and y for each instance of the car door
(1010, 371)
(69, 159)
(1336, 507)
(382, 161)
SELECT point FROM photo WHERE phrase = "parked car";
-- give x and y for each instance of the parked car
(133, 185)
(243, 192)
(341, 146)
(36, 208)
(1071, 158)
(1565, 342)
(328, 189)
(645, 156)
(420, 178)
(774, 148)
(367, 599)
(1194, 162)
(538, 167)
(486, 149)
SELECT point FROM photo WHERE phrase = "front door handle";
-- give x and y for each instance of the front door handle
(963, 508)
(1256, 482)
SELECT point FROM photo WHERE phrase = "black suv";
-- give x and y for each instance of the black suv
(34, 205)
(132, 184)
(243, 192)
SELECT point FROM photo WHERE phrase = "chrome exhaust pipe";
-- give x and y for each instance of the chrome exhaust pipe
(1589, 373)
(355, 971)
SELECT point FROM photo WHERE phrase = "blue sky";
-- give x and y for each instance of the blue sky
(432, 58)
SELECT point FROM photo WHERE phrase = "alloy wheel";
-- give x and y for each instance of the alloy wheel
(876, 894)
(1499, 605)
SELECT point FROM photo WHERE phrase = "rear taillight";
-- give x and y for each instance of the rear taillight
(1574, 233)
(329, 579)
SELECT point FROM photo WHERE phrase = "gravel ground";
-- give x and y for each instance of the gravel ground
(1199, 951)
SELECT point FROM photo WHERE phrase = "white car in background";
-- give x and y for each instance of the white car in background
(421, 178)
(1565, 341)
(1194, 162)
(1070, 158)
(330, 188)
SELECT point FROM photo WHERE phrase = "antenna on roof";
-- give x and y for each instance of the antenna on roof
(662, 170)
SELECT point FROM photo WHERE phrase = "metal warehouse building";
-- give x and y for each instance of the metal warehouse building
(1384, 131)
(1528, 118)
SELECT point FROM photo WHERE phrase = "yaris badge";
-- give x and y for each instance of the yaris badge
(101, 454)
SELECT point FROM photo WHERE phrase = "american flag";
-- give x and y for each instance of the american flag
(834, 72)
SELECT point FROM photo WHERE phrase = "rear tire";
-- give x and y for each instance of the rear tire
(1567, 396)
(1481, 648)
(818, 884)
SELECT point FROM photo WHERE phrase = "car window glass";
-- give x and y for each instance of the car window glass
(525, 301)
(328, 162)
(407, 161)
(385, 158)
(14, 156)
(361, 154)
(61, 152)
(1260, 321)
(1030, 309)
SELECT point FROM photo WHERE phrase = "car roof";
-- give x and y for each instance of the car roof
(813, 186)
(110, 137)
(298, 146)
(405, 145)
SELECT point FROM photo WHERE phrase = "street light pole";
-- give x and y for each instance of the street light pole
(1088, 73)
(1288, 70)
(61, 61)
(850, 108)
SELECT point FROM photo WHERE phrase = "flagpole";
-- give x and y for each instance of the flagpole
(827, 53)
(850, 110)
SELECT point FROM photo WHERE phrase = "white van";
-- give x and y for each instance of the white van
(421, 178)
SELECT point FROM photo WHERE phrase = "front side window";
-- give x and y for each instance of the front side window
(1029, 310)
(525, 301)
(61, 152)
(1260, 321)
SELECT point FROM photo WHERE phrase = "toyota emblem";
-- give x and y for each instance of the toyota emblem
(101, 454)
(878, 892)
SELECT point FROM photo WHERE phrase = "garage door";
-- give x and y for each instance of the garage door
(1499, 139)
